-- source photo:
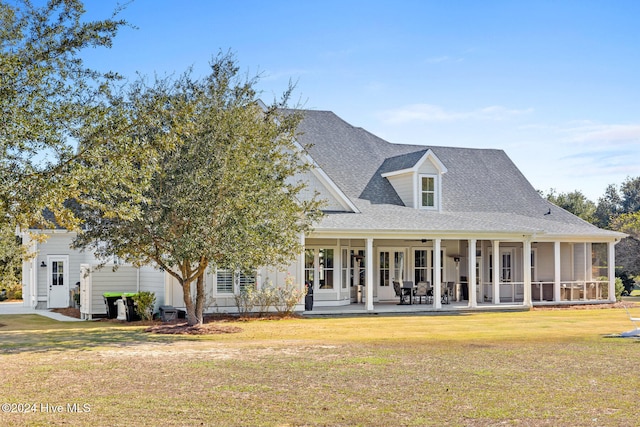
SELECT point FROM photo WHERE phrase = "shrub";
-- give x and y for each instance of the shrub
(144, 302)
(287, 296)
(619, 289)
(264, 298)
(245, 300)
(13, 288)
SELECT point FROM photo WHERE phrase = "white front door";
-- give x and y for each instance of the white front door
(391, 268)
(58, 281)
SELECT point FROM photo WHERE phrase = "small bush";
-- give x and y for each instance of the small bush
(264, 299)
(144, 302)
(245, 300)
(13, 288)
(287, 296)
(619, 289)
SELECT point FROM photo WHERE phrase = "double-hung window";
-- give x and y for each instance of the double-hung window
(428, 192)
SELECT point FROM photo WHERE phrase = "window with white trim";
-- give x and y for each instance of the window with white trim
(428, 192)
(345, 259)
(320, 270)
(326, 266)
(226, 279)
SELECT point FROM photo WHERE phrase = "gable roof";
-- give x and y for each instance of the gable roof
(403, 164)
(482, 191)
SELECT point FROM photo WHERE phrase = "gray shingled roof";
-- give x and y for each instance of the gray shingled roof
(482, 190)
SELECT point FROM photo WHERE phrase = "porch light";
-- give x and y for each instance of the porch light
(43, 264)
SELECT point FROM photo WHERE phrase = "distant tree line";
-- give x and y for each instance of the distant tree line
(617, 209)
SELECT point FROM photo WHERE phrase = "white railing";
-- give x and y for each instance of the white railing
(576, 290)
(541, 291)
(584, 290)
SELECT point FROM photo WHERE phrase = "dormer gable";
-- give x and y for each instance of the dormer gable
(420, 184)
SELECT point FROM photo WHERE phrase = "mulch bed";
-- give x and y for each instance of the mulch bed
(213, 323)
(184, 329)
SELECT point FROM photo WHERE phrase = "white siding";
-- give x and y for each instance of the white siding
(315, 185)
(152, 280)
(579, 261)
(405, 188)
(124, 279)
(545, 260)
(58, 244)
(429, 168)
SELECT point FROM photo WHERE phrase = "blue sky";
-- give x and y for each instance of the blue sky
(552, 83)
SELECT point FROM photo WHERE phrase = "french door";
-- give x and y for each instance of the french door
(392, 266)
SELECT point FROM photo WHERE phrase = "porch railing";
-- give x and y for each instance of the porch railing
(576, 290)
(584, 290)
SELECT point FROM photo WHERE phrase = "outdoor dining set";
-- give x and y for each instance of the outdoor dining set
(408, 293)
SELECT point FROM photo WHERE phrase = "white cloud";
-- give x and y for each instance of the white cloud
(605, 134)
(435, 113)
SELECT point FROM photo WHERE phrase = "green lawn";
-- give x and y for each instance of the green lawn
(555, 367)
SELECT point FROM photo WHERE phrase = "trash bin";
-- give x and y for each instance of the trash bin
(122, 311)
(308, 298)
(130, 307)
(168, 313)
(110, 300)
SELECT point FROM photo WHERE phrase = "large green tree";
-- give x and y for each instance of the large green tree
(46, 95)
(11, 254)
(574, 202)
(225, 195)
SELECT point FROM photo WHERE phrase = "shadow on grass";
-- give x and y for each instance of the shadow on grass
(338, 315)
(49, 338)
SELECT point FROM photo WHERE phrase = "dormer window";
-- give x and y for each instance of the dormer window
(419, 185)
(428, 191)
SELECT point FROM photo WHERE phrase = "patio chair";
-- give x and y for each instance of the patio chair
(634, 320)
(400, 293)
(451, 290)
(422, 291)
(447, 292)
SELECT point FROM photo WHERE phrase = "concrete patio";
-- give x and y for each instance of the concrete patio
(387, 308)
(19, 308)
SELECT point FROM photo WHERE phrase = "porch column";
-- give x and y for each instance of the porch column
(496, 272)
(527, 273)
(557, 271)
(471, 277)
(30, 273)
(300, 267)
(369, 267)
(611, 269)
(437, 276)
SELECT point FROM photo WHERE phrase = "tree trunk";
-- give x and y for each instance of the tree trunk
(192, 317)
(199, 312)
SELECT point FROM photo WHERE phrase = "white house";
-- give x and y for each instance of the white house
(394, 212)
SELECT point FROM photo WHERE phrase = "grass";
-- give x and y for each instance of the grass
(552, 367)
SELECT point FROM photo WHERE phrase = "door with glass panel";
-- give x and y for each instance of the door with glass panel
(58, 281)
(391, 267)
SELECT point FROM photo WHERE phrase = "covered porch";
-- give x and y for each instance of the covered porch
(530, 271)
